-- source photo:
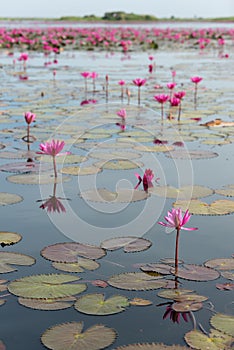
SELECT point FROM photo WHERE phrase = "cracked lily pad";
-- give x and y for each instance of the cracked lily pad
(9, 198)
(97, 304)
(71, 336)
(122, 196)
(136, 281)
(7, 259)
(196, 207)
(46, 286)
(70, 252)
(130, 244)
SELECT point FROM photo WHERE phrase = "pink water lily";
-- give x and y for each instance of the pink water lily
(180, 95)
(146, 180)
(139, 82)
(161, 98)
(122, 113)
(175, 219)
(196, 80)
(29, 117)
(53, 148)
(86, 75)
(122, 83)
(53, 204)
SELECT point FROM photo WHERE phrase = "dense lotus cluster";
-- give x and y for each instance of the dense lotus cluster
(54, 39)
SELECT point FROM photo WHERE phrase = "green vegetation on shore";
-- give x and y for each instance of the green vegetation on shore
(121, 16)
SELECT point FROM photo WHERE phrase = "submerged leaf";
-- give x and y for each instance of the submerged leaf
(71, 336)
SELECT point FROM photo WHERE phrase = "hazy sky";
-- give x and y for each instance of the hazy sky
(159, 8)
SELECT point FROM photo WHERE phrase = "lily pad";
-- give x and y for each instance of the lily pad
(186, 306)
(185, 192)
(130, 244)
(7, 259)
(136, 281)
(140, 302)
(47, 304)
(121, 164)
(71, 336)
(81, 265)
(23, 167)
(9, 198)
(224, 323)
(70, 252)
(76, 170)
(191, 154)
(46, 286)
(173, 293)
(67, 159)
(228, 275)
(111, 155)
(151, 346)
(9, 238)
(156, 148)
(196, 207)
(227, 191)
(36, 179)
(96, 304)
(221, 264)
(162, 269)
(201, 341)
(122, 196)
(196, 273)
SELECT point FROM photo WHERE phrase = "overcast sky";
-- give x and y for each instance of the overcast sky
(159, 8)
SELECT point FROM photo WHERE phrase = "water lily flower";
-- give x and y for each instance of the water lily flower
(53, 204)
(29, 118)
(86, 75)
(146, 180)
(94, 76)
(53, 148)
(196, 80)
(122, 83)
(88, 102)
(122, 113)
(176, 220)
(175, 315)
(162, 98)
(139, 82)
(180, 95)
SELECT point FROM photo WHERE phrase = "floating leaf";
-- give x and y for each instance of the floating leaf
(71, 336)
(122, 196)
(76, 170)
(111, 155)
(9, 198)
(47, 304)
(140, 302)
(67, 159)
(46, 286)
(155, 267)
(191, 297)
(185, 192)
(99, 283)
(196, 207)
(9, 238)
(24, 167)
(118, 164)
(228, 275)
(196, 273)
(200, 341)
(225, 286)
(96, 304)
(221, 264)
(79, 266)
(192, 154)
(224, 323)
(151, 346)
(186, 306)
(156, 148)
(17, 155)
(136, 281)
(9, 258)
(69, 252)
(36, 179)
(130, 244)
(227, 191)
(173, 293)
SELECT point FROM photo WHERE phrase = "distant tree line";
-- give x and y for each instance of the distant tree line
(112, 16)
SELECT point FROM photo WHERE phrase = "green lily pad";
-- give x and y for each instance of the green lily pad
(186, 306)
(9, 198)
(224, 323)
(69, 252)
(196, 207)
(122, 196)
(201, 341)
(121, 164)
(36, 179)
(9, 238)
(76, 170)
(96, 304)
(227, 191)
(46, 286)
(156, 148)
(185, 192)
(67, 159)
(173, 293)
(151, 346)
(136, 281)
(192, 154)
(7, 259)
(221, 264)
(130, 244)
(47, 304)
(80, 265)
(71, 336)
(114, 155)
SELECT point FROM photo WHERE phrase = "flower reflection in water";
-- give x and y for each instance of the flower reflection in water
(53, 204)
